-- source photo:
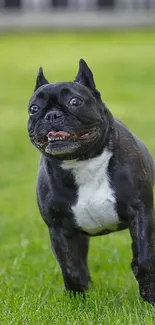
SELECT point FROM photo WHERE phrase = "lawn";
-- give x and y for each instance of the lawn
(30, 279)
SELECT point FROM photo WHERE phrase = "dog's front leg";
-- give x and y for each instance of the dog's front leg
(71, 253)
(142, 229)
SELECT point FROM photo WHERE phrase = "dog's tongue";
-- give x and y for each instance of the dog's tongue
(58, 134)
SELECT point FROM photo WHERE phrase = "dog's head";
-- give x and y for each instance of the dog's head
(68, 120)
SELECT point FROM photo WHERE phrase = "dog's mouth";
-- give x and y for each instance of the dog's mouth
(54, 136)
(63, 136)
(56, 142)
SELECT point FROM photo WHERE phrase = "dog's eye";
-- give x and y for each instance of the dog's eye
(75, 101)
(33, 109)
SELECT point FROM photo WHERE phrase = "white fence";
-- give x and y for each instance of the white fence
(21, 14)
(77, 4)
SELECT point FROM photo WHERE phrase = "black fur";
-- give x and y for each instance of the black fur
(131, 174)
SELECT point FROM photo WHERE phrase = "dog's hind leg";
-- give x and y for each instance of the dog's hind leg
(71, 253)
(142, 230)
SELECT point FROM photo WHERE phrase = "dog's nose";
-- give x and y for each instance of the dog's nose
(53, 116)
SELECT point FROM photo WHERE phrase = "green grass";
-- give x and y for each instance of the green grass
(31, 282)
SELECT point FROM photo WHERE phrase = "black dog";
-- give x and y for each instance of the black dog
(95, 177)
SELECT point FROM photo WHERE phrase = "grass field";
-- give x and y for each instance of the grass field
(30, 278)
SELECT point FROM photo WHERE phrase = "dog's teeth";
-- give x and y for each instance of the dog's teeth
(56, 138)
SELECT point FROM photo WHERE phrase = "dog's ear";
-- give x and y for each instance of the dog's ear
(41, 80)
(85, 76)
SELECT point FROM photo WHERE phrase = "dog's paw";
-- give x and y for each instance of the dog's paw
(147, 292)
(74, 294)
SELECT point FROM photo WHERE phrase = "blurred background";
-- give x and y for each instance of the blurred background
(117, 40)
(76, 13)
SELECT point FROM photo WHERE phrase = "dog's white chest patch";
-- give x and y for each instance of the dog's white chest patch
(95, 207)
